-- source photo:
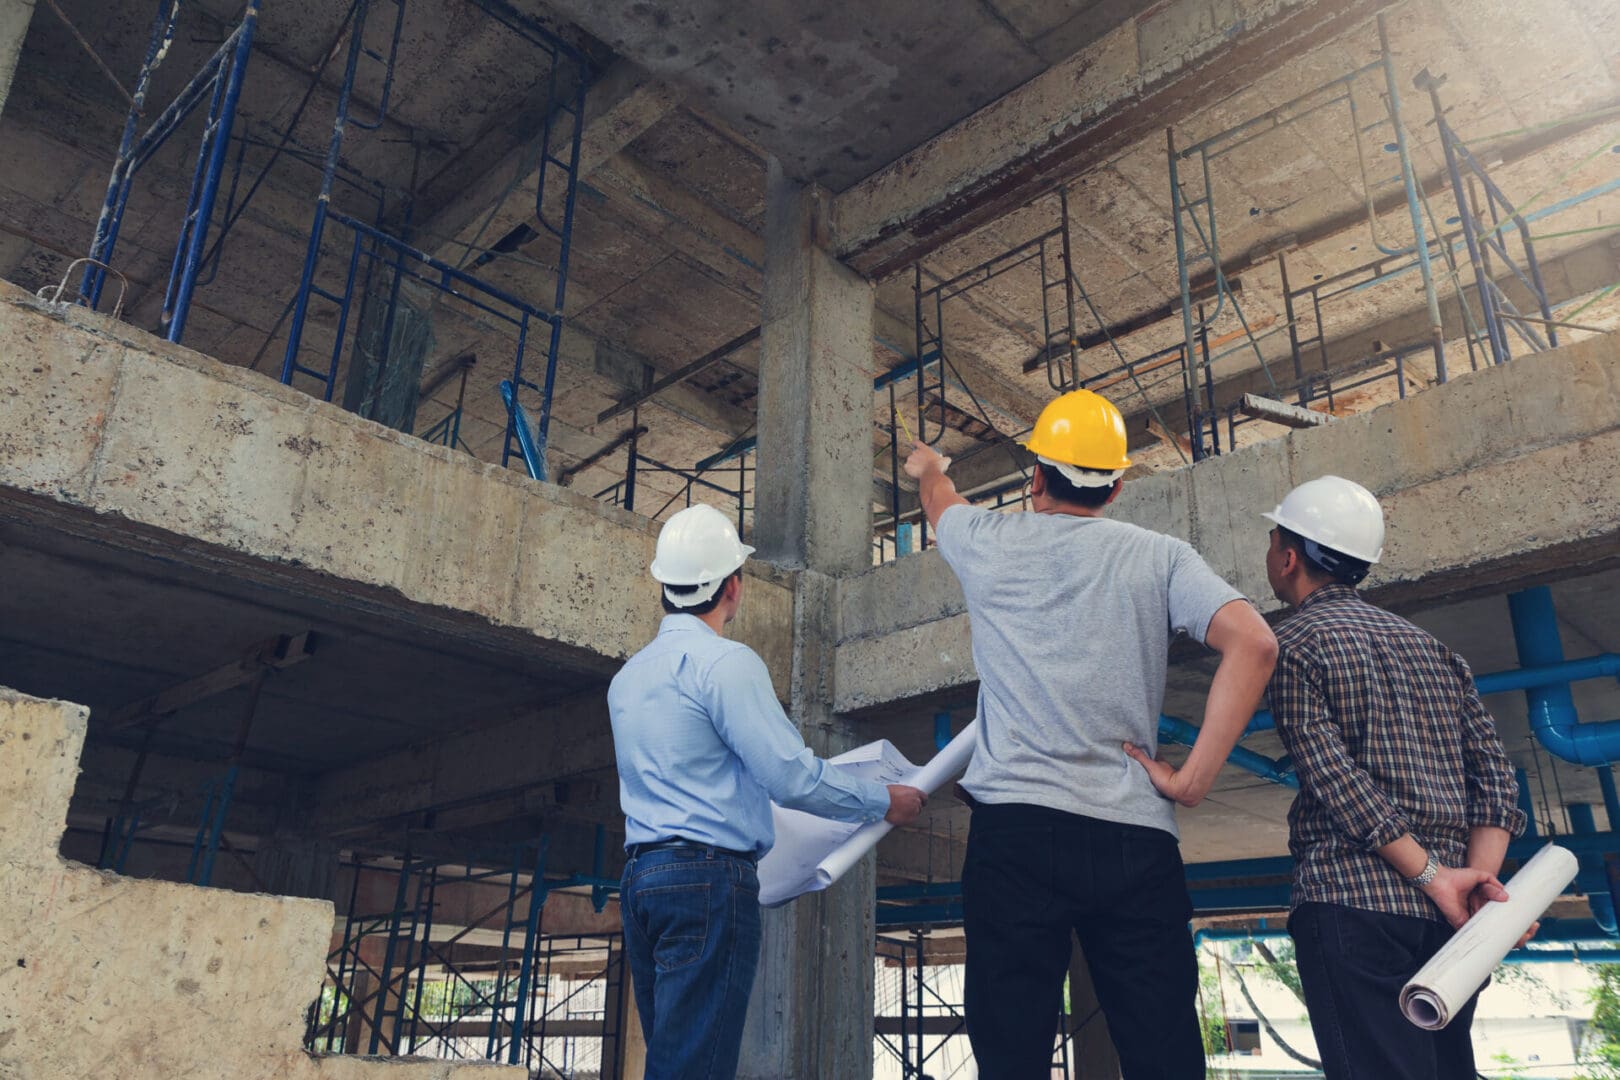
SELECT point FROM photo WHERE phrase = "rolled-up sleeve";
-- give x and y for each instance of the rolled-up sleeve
(1360, 809)
(742, 703)
(1493, 791)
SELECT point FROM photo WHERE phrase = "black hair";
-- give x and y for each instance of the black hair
(1064, 490)
(1323, 563)
(696, 609)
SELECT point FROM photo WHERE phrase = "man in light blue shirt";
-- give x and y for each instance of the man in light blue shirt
(703, 748)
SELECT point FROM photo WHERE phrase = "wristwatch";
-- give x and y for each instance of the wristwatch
(1427, 874)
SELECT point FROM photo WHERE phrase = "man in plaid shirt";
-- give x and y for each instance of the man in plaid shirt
(1407, 799)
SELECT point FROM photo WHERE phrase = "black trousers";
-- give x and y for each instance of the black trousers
(1032, 877)
(1353, 964)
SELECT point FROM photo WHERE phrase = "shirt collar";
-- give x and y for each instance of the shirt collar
(1328, 594)
(676, 623)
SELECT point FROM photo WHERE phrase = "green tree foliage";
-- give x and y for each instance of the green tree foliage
(1600, 1057)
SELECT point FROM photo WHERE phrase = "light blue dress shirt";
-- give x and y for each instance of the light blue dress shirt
(703, 747)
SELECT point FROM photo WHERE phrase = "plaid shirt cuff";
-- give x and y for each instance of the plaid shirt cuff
(1510, 818)
(1391, 830)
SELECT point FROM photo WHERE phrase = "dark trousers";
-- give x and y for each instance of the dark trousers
(1032, 877)
(691, 934)
(1353, 964)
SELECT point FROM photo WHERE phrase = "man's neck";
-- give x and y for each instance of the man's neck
(715, 620)
(1043, 505)
(1306, 589)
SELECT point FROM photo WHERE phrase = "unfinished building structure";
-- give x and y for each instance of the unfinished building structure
(351, 352)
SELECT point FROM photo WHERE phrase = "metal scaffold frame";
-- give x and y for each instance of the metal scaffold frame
(1485, 214)
(375, 1007)
(374, 251)
(219, 82)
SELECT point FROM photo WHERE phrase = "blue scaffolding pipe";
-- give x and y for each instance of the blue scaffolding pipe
(532, 455)
(219, 79)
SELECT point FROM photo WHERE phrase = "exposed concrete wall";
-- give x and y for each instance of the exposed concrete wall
(108, 432)
(108, 976)
(1500, 476)
(15, 16)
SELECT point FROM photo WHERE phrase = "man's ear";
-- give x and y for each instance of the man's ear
(1037, 481)
(1119, 485)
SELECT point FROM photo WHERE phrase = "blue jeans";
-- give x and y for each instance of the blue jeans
(1352, 964)
(691, 934)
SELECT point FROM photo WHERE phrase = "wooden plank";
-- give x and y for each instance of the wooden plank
(1280, 412)
(271, 654)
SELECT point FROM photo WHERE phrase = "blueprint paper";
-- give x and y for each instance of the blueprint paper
(811, 852)
(1462, 965)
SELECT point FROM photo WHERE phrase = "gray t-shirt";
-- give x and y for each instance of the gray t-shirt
(1072, 621)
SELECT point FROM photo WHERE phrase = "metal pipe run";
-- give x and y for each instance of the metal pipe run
(1574, 940)
(1553, 718)
(1175, 730)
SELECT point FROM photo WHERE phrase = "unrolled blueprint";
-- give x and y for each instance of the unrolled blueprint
(811, 852)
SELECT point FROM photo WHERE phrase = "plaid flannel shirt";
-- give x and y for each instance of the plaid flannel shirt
(1388, 735)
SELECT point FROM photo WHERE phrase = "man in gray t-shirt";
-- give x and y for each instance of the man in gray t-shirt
(1072, 620)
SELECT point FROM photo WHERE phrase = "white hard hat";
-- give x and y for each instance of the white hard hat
(697, 546)
(1336, 514)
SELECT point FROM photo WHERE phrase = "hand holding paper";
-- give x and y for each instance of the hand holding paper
(811, 853)
(1460, 968)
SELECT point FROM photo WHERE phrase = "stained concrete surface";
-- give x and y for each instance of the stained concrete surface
(108, 975)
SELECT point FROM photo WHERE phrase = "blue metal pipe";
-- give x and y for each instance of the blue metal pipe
(1584, 823)
(1604, 665)
(1611, 802)
(1579, 941)
(1172, 729)
(1521, 780)
(1552, 708)
(942, 730)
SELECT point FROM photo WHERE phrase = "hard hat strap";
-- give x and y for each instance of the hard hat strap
(699, 595)
(1349, 570)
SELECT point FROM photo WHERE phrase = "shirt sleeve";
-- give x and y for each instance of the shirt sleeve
(961, 533)
(742, 703)
(1196, 592)
(1493, 791)
(1362, 810)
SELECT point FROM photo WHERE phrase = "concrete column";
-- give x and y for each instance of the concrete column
(811, 1014)
(14, 18)
(632, 1041)
(1091, 1048)
(813, 503)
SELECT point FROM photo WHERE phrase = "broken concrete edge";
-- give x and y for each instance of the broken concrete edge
(1498, 480)
(1124, 87)
(83, 936)
(485, 576)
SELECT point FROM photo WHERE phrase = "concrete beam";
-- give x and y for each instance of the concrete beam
(619, 106)
(1499, 477)
(110, 434)
(1124, 87)
(15, 16)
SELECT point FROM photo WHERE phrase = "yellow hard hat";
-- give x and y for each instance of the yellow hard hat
(1080, 428)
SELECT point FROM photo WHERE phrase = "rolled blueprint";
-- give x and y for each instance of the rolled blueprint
(811, 853)
(1462, 965)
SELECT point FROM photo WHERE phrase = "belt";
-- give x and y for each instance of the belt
(635, 850)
